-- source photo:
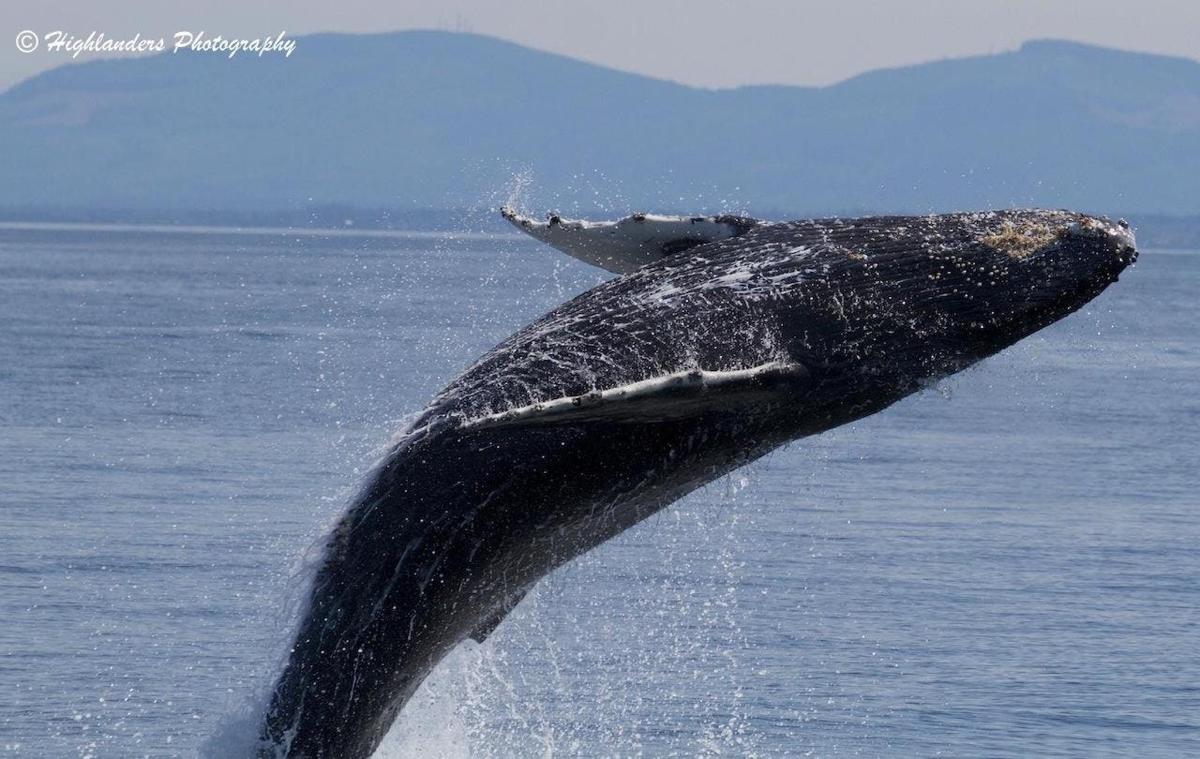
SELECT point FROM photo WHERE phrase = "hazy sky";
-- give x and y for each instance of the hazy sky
(701, 42)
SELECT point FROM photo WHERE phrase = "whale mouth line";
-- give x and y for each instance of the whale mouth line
(665, 389)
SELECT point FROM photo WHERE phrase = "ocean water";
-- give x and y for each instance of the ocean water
(1005, 565)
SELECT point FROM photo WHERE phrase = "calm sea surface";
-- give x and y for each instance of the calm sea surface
(1006, 565)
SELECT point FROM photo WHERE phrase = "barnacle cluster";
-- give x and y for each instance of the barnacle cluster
(1020, 240)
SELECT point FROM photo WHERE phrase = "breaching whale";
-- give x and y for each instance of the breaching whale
(723, 339)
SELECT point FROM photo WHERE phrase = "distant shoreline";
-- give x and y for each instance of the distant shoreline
(466, 225)
(203, 229)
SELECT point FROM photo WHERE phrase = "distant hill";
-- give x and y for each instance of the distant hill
(415, 120)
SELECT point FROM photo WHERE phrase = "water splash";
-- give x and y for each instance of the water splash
(517, 189)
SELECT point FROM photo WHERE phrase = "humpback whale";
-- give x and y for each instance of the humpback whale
(722, 339)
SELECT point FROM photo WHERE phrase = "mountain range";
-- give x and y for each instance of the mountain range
(423, 119)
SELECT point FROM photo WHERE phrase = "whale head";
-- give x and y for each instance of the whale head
(1023, 270)
(922, 297)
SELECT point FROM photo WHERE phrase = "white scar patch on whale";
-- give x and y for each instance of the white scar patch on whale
(678, 388)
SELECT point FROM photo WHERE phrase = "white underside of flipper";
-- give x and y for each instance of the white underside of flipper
(630, 243)
(663, 397)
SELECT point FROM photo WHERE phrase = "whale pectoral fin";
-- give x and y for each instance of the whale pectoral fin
(671, 396)
(491, 622)
(630, 243)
